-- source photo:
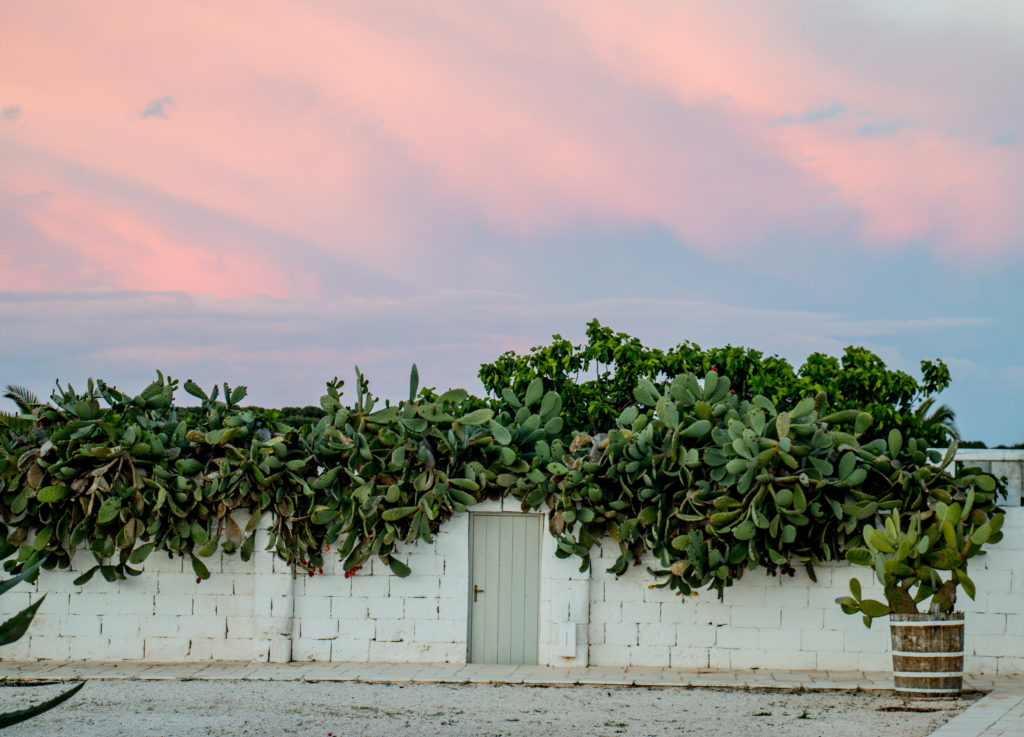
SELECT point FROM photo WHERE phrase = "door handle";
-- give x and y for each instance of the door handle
(476, 592)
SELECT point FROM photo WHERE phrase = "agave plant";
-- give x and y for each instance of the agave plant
(11, 631)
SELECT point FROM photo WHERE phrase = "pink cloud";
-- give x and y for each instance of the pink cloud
(375, 133)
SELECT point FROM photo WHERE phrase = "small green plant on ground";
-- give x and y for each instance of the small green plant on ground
(11, 631)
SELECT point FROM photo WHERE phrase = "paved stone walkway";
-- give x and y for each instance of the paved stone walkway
(999, 714)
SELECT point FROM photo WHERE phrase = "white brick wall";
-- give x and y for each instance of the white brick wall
(257, 611)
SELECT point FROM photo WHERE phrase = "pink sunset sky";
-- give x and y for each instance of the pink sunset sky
(270, 192)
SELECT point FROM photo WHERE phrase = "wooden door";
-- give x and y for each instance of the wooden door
(504, 583)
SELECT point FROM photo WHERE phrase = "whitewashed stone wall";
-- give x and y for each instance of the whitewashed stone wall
(257, 611)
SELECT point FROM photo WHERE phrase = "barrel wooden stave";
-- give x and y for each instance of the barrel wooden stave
(927, 654)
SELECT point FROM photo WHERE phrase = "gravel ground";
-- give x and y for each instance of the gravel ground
(271, 708)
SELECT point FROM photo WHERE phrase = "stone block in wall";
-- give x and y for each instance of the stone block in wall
(688, 658)
(423, 608)
(242, 627)
(981, 666)
(720, 659)
(776, 639)
(233, 605)
(324, 586)
(369, 587)
(312, 607)
(163, 625)
(280, 650)
(642, 611)
(651, 657)
(805, 618)
(985, 624)
(39, 648)
(710, 611)
(624, 634)
(55, 603)
(207, 627)
(303, 650)
(317, 628)
(454, 587)
(764, 618)
(994, 646)
(788, 593)
(1003, 603)
(80, 625)
(874, 661)
(165, 649)
(1015, 623)
(393, 630)
(822, 641)
(123, 648)
(43, 624)
(743, 659)
(357, 628)
(387, 607)
(697, 635)
(349, 607)
(87, 648)
(444, 652)
(122, 625)
(609, 655)
(608, 612)
(734, 638)
(440, 630)
(414, 586)
(350, 649)
(832, 660)
(395, 652)
(623, 590)
(1010, 666)
(657, 635)
(172, 604)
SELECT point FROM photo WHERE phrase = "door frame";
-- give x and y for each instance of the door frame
(540, 520)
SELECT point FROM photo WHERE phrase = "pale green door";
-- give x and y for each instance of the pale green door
(504, 588)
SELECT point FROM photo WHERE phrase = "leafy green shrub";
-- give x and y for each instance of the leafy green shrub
(859, 380)
(709, 481)
(712, 484)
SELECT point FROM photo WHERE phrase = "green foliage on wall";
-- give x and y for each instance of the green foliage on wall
(596, 380)
(711, 481)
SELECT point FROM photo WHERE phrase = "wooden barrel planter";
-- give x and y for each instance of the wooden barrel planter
(928, 654)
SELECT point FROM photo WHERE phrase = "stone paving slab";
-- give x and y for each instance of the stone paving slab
(999, 714)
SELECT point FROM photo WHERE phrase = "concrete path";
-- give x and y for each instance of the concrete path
(999, 714)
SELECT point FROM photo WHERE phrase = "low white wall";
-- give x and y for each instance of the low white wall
(257, 611)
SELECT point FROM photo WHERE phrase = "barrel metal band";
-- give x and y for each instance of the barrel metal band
(902, 689)
(910, 654)
(927, 674)
(957, 623)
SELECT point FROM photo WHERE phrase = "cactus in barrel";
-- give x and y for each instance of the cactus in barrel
(11, 631)
(923, 555)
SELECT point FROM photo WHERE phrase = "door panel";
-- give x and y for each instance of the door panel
(504, 588)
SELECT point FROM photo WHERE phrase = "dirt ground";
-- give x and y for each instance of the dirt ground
(270, 708)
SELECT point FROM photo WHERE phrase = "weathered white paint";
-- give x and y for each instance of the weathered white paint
(257, 611)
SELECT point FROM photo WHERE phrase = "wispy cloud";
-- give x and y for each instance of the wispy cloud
(157, 108)
(1007, 138)
(10, 112)
(877, 129)
(812, 115)
(281, 348)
